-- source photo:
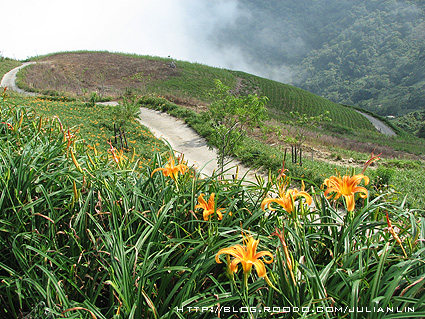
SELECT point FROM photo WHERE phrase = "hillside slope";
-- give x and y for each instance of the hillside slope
(115, 75)
(111, 75)
(365, 52)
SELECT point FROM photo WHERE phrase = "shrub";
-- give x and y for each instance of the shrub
(125, 112)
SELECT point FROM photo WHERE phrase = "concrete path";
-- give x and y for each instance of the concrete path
(380, 126)
(184, 139)
(181, 137)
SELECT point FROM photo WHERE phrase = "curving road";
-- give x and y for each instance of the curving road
(380, 126)
(185, 140)
(180, 136)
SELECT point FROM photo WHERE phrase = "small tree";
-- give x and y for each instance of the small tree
(232, 117)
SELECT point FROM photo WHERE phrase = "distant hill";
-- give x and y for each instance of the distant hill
(367, 53)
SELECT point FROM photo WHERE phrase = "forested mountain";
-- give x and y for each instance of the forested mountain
(369, 53)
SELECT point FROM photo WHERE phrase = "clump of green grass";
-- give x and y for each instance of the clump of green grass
(6, 65)
(96, 124)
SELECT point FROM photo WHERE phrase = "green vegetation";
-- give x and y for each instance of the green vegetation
(95, 124)
(90, 235)
(125, 112)
(195, 81)
(242, 114)
(286, 98)
(367, 53)
(354, 67)
(412, 122)
(6, 65)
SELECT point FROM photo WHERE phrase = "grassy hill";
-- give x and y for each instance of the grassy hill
(7, 64)
(111, 76)
(183, 87)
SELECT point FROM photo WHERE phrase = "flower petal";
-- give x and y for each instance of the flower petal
(267, 202)
(202, 202)
(350, 202)
(265, 253)
(305, 195)
(260, 268)
(156, 170)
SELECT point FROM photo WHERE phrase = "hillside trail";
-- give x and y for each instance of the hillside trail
(9, 80)
(181, 137)
(185, 140)
(380, 126)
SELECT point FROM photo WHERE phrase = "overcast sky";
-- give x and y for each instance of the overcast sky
(187, 30)
(177, 28)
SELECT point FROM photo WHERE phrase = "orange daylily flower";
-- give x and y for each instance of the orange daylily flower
(372, 159)
(394, 234)
(346, 186)
(209, 208)
(117, 156)
(286, 198)
(172, 170)
(246, 255)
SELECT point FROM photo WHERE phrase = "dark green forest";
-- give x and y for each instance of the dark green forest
(366, 53)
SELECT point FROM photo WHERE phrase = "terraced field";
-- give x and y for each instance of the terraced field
(184, 82)
(286, 98)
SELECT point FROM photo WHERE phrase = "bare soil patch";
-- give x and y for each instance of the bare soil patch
(317, 146)
(105, 73)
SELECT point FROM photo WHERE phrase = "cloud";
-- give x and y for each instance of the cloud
(182, 29)
(185, 30)
(167, 27)
(47, 26)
